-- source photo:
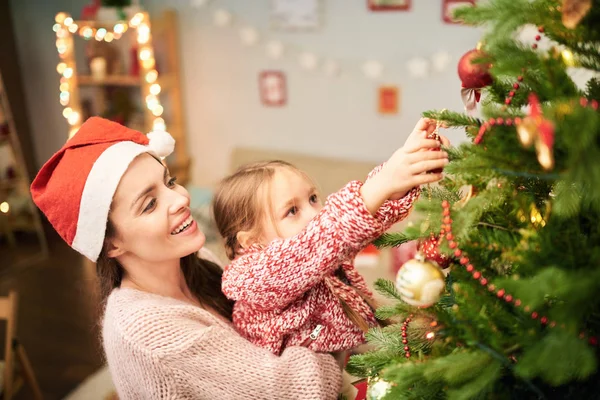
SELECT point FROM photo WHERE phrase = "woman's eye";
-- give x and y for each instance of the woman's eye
(313, 199)
(292, 211)
(150, 205)
(172, 181)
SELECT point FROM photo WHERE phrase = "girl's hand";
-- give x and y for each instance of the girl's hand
(407, 167)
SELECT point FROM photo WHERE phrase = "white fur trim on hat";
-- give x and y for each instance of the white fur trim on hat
(98, 193)
(161, 143)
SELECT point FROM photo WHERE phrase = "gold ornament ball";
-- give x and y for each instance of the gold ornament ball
(420, 282)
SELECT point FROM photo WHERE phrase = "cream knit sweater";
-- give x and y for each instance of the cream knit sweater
(161, 348)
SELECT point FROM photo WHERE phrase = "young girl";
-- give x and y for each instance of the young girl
(291, 273)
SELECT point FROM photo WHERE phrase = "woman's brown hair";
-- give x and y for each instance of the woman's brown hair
(202, 277)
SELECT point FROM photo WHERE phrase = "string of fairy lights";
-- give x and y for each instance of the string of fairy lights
(66, 27)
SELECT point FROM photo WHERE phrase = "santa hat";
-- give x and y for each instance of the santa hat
(75, 188)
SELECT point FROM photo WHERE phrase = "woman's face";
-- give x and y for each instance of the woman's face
(151, 215)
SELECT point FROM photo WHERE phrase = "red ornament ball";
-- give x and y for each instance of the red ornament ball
(474, 75)
(431, 251)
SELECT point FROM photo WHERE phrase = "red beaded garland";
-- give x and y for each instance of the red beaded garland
(477, 275)
(404, 335)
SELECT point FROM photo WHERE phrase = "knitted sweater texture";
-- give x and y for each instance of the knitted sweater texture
(290, 289)
(161, 348)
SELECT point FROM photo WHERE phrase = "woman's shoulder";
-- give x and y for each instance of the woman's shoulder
(152, 322)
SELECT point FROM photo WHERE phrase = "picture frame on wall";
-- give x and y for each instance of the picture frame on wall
(272, 88)
(389, 5)
(448, 7)
(388, 100)
(296, 15)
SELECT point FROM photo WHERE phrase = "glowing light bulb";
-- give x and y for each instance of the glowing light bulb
(73, 118)
(145, 54)
(68, 21)
(55, 27)
(151, 76)
(73, 28)
(60, 68)
(64, 98)
(87, 32)
(149, 63)
(4, 207)
(136, 20)
(67, 111)
(100, 33)
(157, 111)
(60, 17)
(155, 89)
(68, 73)
(430, 335)
(109, 37)
(151, 101)
(159, 125)
(64, 87)
(120, 28)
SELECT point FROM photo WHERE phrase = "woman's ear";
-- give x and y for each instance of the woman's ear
(115, 248)
(245, 239)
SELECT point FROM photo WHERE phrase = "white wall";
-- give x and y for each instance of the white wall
(324, 116)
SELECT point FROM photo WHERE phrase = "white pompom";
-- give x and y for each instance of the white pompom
(161, 143)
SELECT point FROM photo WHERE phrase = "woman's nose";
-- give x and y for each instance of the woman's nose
(178, 201)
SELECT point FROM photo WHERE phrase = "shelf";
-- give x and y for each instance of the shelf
(110, 80)
(165, 81)
(100, 24)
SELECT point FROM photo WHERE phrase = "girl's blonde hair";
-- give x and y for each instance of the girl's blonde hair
(238, 205)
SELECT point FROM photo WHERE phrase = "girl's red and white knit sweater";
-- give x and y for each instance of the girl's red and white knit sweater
(284, 292)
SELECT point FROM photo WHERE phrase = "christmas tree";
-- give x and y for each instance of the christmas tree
(502, 300)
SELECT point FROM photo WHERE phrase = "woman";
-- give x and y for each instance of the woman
(167, 330)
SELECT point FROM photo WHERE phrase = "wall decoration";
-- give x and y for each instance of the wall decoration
(448, 7)
(308, 61)
(389, 5)
(440, 60)
(296, 14)
(249, 36)
(372, 69)
(418, 67)
(331, 68)
(272, 88)
(275, 48)
(388, 100)
(222, 18)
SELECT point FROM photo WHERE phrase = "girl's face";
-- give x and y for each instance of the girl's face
(151, 216)
(294, 203)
